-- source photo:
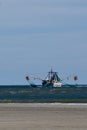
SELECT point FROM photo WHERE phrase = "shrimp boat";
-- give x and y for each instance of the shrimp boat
(52, 80)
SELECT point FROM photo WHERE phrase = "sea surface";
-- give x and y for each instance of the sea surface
(28, 94)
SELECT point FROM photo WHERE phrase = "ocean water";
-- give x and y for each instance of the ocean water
(25, 93)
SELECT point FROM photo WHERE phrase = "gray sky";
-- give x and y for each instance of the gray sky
(36, 35)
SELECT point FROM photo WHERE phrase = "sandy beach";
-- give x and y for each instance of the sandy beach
(17, 116)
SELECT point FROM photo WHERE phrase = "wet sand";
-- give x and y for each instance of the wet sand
(43, 116)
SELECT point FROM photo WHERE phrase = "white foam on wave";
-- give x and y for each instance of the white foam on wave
(58, 104)
(67, 103)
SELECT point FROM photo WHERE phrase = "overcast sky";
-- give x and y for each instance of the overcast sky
(36, 35)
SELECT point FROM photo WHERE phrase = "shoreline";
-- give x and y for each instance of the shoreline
(45, 101)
